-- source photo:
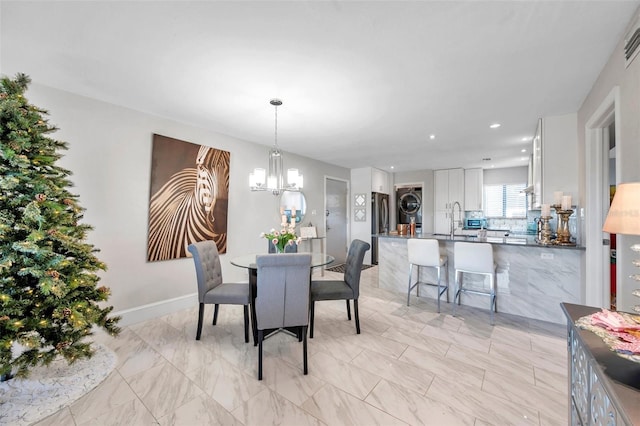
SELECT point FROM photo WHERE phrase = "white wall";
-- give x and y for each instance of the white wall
(361, 184)
(110, 157)
(614, 74)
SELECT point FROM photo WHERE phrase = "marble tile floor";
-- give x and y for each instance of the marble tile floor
(409, 366)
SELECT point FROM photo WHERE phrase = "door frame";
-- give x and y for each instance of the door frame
(394, 202)
(597, 278)
(347, 215)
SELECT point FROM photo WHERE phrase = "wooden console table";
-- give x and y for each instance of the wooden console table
(604, 388)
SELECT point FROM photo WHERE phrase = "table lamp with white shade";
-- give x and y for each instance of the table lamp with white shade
(624, 218)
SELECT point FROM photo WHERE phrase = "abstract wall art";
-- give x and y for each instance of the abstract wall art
(188, 197)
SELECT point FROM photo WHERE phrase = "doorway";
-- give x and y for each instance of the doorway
(610, 141)
(336, 194)
(603, 124)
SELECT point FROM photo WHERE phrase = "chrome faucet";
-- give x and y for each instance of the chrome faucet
(453, 227)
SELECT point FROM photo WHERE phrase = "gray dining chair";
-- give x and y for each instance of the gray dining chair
(211, 288)
(282, 299)
(348, 288)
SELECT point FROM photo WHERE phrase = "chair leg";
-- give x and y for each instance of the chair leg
(446, 271)
(304, 349)
(493, 298)
(200, 315)
(260, 338)
(215, 315)
(456, 294)
(355, 312)
(311, 314)
(348, 310)
(254, 324)
(246, 323)
(409, 291)
(493, 304)
(439, 292)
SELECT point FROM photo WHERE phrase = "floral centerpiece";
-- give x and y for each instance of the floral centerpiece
(286, 235)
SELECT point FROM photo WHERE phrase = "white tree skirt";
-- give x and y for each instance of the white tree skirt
(49, 388)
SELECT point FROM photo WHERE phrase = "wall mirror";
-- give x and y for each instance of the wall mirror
(293, 203)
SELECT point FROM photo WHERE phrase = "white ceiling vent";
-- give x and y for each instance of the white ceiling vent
(632, 42)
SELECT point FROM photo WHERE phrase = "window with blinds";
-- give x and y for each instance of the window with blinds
(506, 201)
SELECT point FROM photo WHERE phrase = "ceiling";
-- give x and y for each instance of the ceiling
(363, 83)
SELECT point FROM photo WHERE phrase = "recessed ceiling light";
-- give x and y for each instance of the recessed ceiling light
(526, 139)
(391, 167)
(493, 165)
(523, 150)
(523, 158)
(495, 125)
(432, 136)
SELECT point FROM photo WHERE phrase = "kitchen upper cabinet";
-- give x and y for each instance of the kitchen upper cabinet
(379, 181)
(559, 156)
(448, 188)
(554, 161)
(473, 180)
(535, 196)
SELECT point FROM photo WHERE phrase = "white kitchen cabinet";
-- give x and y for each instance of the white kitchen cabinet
(554, 162)
(449, 188)
(559, 156)
(473, 180)
(441, 222)
(536, 168)
(379, 181)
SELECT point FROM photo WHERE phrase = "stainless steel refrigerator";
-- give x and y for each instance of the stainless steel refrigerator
(379, 221)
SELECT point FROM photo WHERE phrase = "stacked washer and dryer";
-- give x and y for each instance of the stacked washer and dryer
(409, 200)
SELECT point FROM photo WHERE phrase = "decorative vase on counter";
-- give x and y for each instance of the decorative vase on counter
(402, 228)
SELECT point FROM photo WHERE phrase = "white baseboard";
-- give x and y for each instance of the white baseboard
(155, 310)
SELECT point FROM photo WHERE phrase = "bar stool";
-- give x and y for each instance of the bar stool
(426, 253)
(474, 258)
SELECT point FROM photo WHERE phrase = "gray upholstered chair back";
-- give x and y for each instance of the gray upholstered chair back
(208, 270)
(353, 266)
(282, 298)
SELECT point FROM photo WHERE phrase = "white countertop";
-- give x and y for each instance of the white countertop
(513, 239)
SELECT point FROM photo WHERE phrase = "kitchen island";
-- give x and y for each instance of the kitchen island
(532, 280)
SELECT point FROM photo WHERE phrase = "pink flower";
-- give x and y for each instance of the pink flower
(275, 241)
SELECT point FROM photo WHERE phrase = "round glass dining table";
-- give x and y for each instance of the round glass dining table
(249, 261)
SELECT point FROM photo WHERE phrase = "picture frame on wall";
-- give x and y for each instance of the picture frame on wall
(360, 207)
(188, 197)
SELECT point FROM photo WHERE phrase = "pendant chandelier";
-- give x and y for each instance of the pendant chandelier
(259, 180)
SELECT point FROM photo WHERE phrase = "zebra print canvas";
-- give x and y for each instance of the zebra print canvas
(188, 197)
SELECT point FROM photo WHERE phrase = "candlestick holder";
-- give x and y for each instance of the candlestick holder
(564, 235)
(545, 234)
